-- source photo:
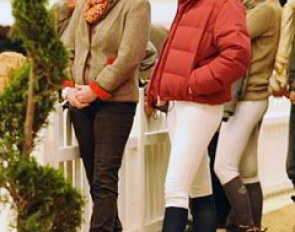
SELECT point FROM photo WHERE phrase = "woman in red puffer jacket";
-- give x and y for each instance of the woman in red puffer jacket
(208, 49)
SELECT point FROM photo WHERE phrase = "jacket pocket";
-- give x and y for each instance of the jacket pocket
(174, 86)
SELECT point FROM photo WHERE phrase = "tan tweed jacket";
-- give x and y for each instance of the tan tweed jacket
(111, 50)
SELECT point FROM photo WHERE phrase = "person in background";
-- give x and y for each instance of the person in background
(222, 203)
(236, 157)
(198, 64)
(63, 11)
(283, 80)
(103, 93)
(148, 62)
(9, 44)
(158, 35)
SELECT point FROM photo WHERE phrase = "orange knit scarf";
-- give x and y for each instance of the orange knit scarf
(95, 9)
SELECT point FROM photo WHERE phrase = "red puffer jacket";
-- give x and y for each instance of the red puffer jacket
(208, 49)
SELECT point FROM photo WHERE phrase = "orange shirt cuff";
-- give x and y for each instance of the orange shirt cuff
(99, 91)
(68, 83)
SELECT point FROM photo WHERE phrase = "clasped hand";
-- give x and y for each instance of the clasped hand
(280, 88)
(81, 96)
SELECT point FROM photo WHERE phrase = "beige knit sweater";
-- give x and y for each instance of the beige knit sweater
(264, 27)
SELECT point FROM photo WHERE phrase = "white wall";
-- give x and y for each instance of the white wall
(5, 13)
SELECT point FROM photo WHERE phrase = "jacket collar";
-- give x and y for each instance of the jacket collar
(96, 10)
(110, 6)
(182, 4)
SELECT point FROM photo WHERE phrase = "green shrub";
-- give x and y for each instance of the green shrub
(43, 199)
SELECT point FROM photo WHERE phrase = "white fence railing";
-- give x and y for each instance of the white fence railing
(273, 145)
(142, 175)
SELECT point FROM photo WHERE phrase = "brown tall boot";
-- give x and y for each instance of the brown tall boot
(238, 197)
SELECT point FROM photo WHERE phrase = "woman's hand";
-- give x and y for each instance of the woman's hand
(276, 89)
(148, 110)
(292, 97)
(281, 93)
(84, 94)
(71, 97)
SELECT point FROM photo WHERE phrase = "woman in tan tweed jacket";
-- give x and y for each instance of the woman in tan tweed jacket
(107, 41)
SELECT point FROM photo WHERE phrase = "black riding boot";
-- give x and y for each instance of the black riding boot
(175, 219)
(204, 214)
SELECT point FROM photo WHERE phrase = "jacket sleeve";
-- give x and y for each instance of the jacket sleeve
(148, 62)
(285, 45)
(234, 45)
(62, 14)
(131, 51)
(68, 38)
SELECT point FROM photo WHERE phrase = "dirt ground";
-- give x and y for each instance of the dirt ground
(282, 220)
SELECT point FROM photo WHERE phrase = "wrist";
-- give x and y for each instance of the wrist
(65, 93)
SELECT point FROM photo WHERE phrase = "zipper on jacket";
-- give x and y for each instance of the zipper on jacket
(176, 21)
(195, 63)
